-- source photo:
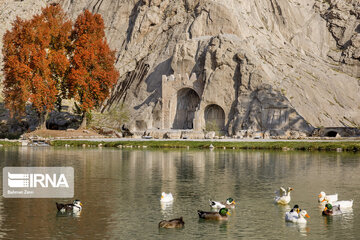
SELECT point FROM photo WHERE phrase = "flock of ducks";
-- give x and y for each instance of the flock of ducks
(331, 206)
(221, 211)
(329, 203)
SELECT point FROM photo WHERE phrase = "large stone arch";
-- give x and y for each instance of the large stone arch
(187, 100)
(214, 117)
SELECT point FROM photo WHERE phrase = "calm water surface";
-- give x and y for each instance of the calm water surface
(120, 190)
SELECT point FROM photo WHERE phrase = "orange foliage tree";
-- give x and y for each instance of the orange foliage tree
(16, 68)
(36, 63)
(46, 61)
(92, 72)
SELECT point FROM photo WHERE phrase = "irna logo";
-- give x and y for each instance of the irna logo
(38, 182)
(19, 180)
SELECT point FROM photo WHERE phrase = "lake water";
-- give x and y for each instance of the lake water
(120, 190)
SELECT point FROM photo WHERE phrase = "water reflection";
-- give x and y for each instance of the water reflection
(166, 209)
(120, 191)
(302, 228)
(68, 214)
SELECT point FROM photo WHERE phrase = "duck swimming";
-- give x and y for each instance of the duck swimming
(342, 204)
(331, 198)
(76, 206)
(329, 210)
(221, 215)
(229, 203)
(166, 197)
(173, 223)
(294, 212)
(283, 196)
(300, 218)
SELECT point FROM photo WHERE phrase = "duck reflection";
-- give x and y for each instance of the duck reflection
(222, 225)
(166, 206)
(166, 209)
(345, 218)
(68, 214)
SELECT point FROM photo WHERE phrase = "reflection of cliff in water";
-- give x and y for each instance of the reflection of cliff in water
(114, 183)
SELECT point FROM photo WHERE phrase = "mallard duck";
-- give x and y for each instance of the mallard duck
(229, 203)
(294, 212)
(283, 196)
(342, 204)
(332, 198)
(300, 218)
(329, 210)
(166, 197)
(173, 223)
(76, 206)
(221, 215)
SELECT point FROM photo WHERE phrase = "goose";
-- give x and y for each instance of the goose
(166, 197)
(221, 215)
(229, 203)
(332, 198)
(173, 223)
(329, 210)
(283, 196)
(300, 218)
(76, 206)
(294, 212)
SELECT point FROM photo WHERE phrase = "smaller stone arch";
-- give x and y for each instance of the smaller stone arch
(331, 134)
(214, 118)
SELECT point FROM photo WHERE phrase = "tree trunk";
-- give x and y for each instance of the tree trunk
(83, 122)
(43, 118)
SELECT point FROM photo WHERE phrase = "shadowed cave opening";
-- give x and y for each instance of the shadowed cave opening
(331, 134)
(187, 102)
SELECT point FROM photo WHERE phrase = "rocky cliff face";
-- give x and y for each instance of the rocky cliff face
(343, 22)
(268, 64)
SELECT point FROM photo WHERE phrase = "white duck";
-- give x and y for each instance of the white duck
(166, 197)
(342, 204)
(332, 198)
(294, 212)
(229, 203)
(300, 218)
(216, 205)
(283, 196)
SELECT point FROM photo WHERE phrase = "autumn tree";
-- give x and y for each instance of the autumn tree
(92, 72)
(16, 66)
(36, 63)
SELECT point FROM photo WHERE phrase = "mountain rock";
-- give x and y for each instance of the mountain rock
(230, 65)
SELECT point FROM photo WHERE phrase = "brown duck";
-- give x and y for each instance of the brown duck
(173, 223)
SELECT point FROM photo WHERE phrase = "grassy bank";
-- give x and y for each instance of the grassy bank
(286, 145)
(10, 143)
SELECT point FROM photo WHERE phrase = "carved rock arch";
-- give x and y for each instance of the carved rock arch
(187, 101)
(214, 117)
